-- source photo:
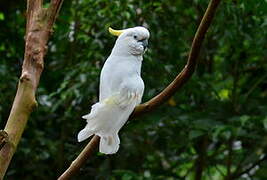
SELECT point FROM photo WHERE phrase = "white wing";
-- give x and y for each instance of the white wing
(128, 94)
(109, 115)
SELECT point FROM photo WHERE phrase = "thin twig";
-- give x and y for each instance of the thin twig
(254, 86)
(169, 91)
(258, 162)
(247, 159)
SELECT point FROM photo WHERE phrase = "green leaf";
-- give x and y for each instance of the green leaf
(224, 94)
(195, 134)
(2, 16)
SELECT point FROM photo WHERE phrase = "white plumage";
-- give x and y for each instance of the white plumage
(121, 89)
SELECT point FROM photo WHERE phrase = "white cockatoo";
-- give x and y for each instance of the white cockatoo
(121, 89)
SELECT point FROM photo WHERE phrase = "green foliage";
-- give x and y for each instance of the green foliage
(218, 121)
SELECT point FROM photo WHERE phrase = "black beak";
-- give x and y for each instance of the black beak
(144, 43)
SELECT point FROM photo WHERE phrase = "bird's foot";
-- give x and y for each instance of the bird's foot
(3, 138)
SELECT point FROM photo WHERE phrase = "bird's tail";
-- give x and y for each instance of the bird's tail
(92, 120)
(103, 120)
(109, 144)
(85, 133)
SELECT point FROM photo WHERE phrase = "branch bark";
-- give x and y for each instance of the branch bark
(169, 91)
(38, 30)
(81, 159)
(189, 68)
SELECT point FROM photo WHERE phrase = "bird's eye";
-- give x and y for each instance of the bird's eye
(135, 37)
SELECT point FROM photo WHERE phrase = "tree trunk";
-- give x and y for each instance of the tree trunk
(38, 30)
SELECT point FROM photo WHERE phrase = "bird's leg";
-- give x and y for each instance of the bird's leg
(3, 138)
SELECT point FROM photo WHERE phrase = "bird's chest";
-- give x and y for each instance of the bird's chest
(130, 79)
(120, 74)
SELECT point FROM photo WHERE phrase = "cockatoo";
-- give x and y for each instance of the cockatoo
(121, 89)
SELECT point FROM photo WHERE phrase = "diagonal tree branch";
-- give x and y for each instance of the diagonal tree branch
(38, 30)
(169, 91)
(244, 166)
(256, 163)
(81, 160)
(189, 68)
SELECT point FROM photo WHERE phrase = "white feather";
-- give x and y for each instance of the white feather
(121, 89)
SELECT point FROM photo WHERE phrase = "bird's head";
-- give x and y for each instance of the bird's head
(132, 41)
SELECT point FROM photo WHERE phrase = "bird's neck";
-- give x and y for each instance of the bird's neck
(121, 50)
(135, 62)
(138, 57)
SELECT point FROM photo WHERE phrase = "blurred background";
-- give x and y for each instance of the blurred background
(215, 127)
